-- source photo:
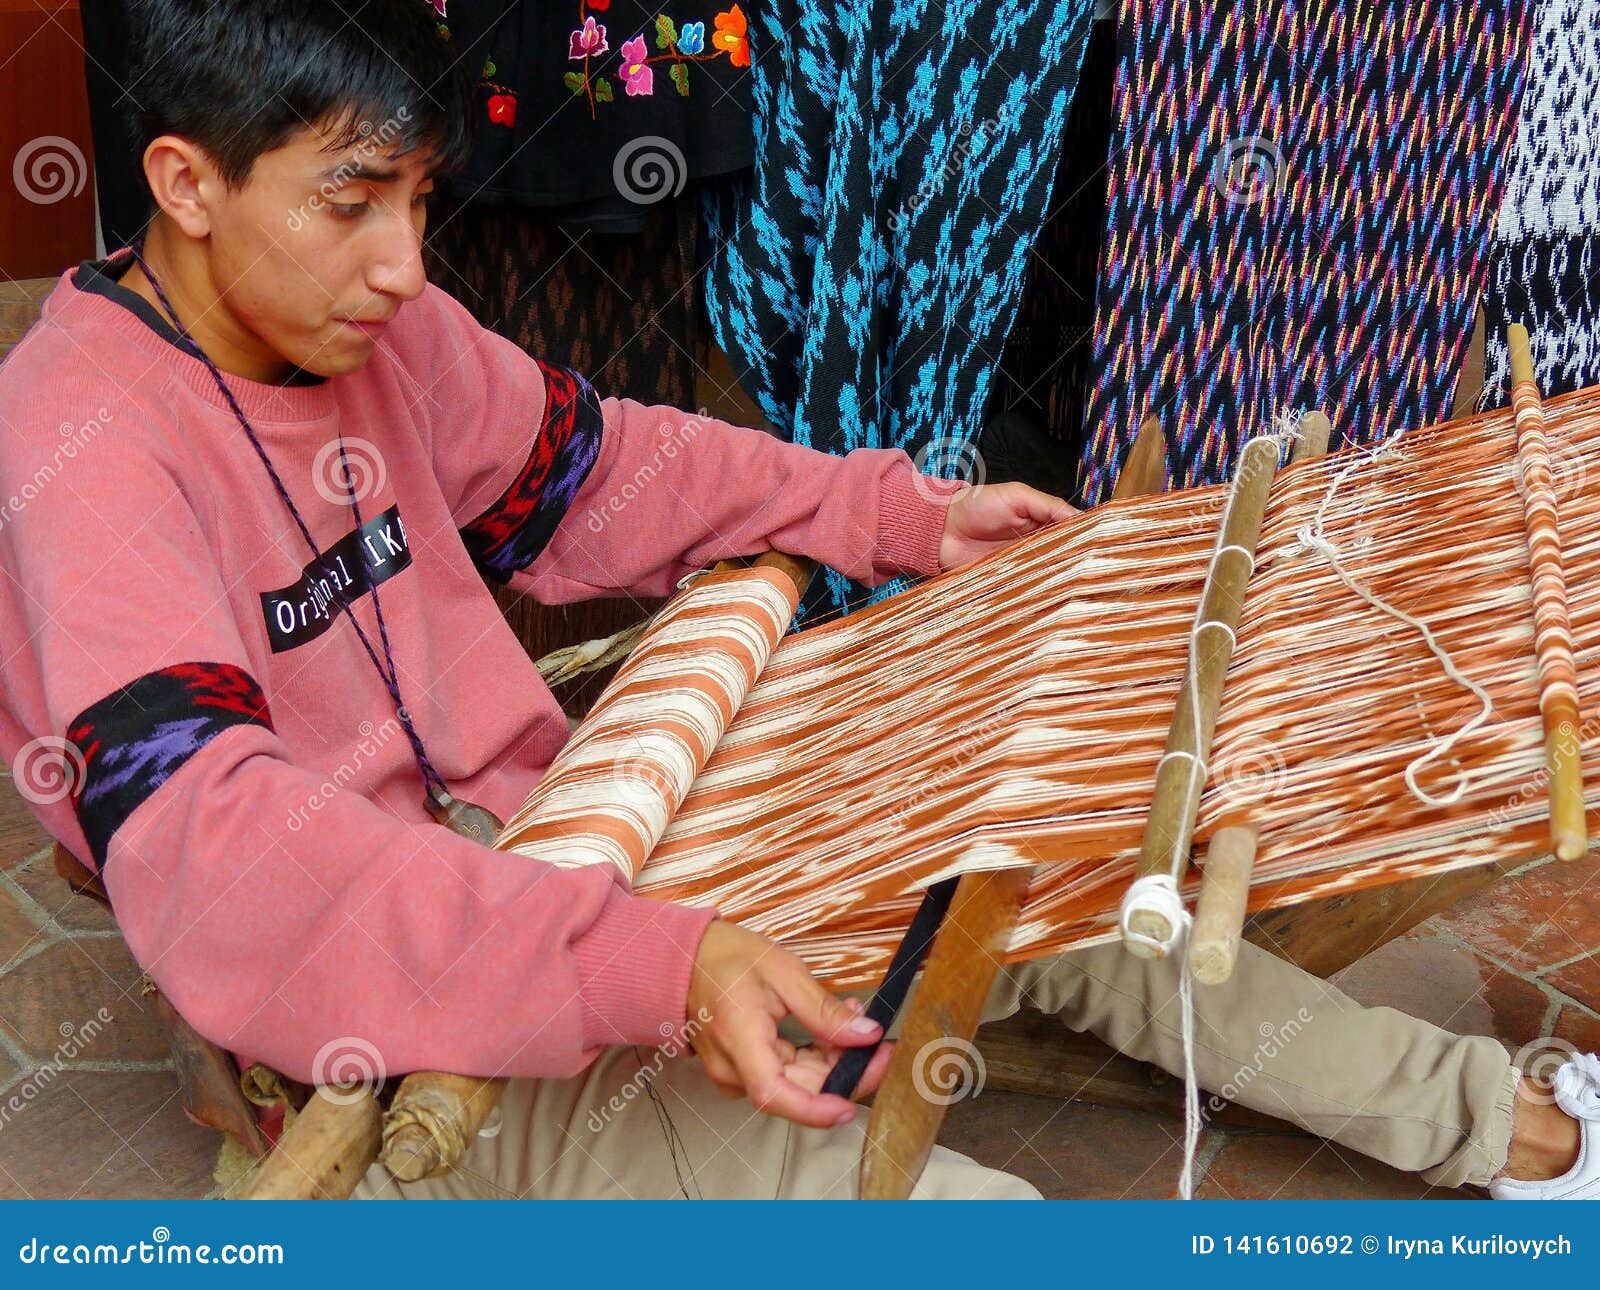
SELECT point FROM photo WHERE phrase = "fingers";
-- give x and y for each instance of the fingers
(754, 1049)
(831, 1020)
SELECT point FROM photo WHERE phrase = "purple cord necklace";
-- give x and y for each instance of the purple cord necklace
(454, 813)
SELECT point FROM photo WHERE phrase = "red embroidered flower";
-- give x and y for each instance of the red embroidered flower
(730, 36)
(503, 110)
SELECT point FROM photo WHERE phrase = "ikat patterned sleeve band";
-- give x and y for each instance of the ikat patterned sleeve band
(135, 739)
(510, 534)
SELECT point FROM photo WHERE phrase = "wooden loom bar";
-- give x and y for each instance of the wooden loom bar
(947, 1006)
(1552, 629)
(326, 1152)
(1180, 775)
(1231, 858)
(434, 1116)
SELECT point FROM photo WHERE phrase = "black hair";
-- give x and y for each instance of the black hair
(241, 77)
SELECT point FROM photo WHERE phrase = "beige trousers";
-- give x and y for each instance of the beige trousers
(1274, 1038)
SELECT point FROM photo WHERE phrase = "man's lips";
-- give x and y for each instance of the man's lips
(372, 329)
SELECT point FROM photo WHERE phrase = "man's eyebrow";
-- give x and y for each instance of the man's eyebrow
(358, 171)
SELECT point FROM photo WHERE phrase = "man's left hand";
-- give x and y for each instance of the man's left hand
(986, 517)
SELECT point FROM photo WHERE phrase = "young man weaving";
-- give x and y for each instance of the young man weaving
(250, 612)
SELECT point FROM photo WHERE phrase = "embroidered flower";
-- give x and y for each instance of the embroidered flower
(503, 110)
(691, 37)
(636, 73)
(601, 5)
(588, 41)
(730, 36)
(438, 7)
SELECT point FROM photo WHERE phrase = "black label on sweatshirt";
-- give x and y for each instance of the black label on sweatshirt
(347, 570)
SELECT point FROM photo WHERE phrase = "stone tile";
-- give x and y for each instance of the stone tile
(1449, 986)
(103, 1135)
(1539, 917)
(18, 931)
(67, 985)
(20, 833)
(1579, 980)
(1069, 1149)
(1270, 1166)
(1579, 1028)
(67, 910)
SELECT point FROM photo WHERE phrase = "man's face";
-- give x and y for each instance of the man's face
(319, 250)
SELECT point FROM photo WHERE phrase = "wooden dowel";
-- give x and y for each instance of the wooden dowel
(433, 1120)
(326, 1152)
(1311, 437)
(1180, 775)
(1220, 911)
(1552, 630)
(1231, 859)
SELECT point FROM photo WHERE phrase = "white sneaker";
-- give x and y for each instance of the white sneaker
(1577, 1090)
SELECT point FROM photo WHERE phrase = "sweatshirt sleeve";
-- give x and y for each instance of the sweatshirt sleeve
(426, 948)
(568, 495)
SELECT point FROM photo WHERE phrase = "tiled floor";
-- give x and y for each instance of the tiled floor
(97, 1113)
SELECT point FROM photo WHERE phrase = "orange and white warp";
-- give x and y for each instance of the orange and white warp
(1012, 713)
(608, 796)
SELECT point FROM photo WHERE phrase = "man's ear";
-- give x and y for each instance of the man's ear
(185, 183)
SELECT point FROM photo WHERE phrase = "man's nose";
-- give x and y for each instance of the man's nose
(399, 270)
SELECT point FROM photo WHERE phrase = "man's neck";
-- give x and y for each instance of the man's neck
(203, 315)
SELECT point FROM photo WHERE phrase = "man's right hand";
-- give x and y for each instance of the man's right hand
(746, 985)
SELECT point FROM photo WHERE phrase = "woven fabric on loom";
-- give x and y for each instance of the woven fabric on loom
(1013, 713)
(1301, 200)
(1545, 268)
(864, 281)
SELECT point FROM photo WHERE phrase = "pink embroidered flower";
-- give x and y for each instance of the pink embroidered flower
(438, 7)
(635, 72)
(588, 41)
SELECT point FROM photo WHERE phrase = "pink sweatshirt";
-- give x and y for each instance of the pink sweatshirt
(233, 759)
